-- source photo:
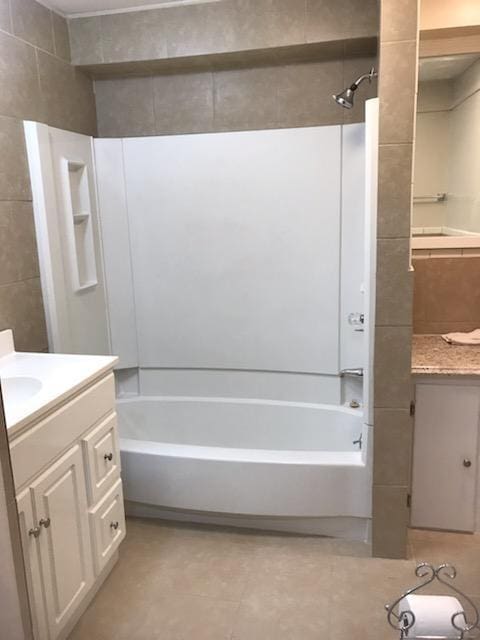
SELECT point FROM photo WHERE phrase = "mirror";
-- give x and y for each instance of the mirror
(446, 201)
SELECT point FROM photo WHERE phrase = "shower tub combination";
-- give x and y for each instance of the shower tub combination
(266, 464)
(235, 205)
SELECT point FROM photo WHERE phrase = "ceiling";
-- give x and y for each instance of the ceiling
(445, 67)
(89, 7)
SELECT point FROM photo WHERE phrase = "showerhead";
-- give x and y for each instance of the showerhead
(345, 98)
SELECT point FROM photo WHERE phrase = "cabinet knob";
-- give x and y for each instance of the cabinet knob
(35, 532)
(114, 525)
(467, 463)
(108, 456)
(44, 522)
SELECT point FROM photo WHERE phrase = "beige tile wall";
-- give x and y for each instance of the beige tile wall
(217, 28)
(38, 83)
(446, 294)
(294, 95)
(393, 389)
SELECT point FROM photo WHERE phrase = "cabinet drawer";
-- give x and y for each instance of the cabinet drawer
(107, 522)
(32, 450)
(102, 457)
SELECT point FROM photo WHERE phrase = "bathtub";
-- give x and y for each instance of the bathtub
(264, 462)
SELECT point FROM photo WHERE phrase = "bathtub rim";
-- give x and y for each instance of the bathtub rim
(341, 408)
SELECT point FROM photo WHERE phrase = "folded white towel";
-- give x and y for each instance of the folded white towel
(463, 338)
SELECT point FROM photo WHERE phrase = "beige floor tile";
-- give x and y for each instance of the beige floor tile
(178, 582)
(304, 583)
(350, 548)
(169, 617)
(194, 563)
(360, 590)
(290, 558)
(459, 549)
(444, 539)
(282, 618)
(178, 617)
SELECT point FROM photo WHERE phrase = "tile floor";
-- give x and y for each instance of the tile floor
(176, 582)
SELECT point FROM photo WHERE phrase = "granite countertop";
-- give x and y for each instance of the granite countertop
(431, 355)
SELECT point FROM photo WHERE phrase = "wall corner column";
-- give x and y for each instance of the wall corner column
(393, 391)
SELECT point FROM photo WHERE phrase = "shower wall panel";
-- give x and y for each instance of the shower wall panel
(236, 249)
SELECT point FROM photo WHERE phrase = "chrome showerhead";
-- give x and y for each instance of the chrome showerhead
(345, 98)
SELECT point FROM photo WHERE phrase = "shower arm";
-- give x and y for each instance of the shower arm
(366, 76)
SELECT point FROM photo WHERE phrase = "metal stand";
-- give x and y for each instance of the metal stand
(403, 621)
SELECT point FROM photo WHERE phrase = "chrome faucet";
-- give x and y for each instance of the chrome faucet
(356, 373)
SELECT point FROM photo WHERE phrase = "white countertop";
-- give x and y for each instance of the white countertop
(34, 383)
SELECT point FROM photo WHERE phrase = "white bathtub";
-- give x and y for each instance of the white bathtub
(260, 459)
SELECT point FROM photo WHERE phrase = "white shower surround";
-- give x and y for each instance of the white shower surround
(187, 224)
(237, 258)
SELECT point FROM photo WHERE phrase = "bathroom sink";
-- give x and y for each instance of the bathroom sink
(17, 389)
(35, 383)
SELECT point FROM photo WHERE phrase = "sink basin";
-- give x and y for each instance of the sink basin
(17, 389)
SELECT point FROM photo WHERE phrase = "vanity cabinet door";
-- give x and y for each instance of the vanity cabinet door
(60, 504)
(445, 456)
(30, 533)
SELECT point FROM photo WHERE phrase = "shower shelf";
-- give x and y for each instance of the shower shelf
(78, 205)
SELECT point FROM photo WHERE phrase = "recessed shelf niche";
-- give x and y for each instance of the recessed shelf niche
(82, 251)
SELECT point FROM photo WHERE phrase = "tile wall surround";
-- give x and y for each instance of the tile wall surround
(446, 293)
(295, 95)
(393, 331)
(38, 83)
(218, 28)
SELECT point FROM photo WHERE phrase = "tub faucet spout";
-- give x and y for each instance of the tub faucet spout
(357, 373)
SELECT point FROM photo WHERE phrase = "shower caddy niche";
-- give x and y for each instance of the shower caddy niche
(79, 225)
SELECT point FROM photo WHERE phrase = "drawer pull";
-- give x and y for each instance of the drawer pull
(467, 463)
(114, 525)
(35, 532)
(108, 456)
(44, 522)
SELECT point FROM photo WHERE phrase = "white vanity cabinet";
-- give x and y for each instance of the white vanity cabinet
(444, 474)
(66, 469)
